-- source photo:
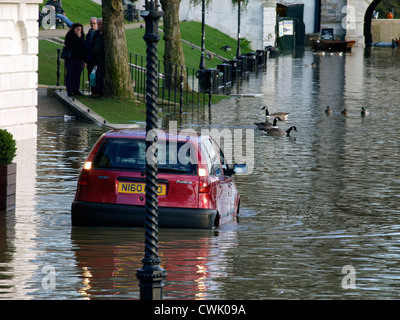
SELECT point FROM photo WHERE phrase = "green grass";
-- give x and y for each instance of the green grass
(214, 40)
(47, 62)
(117, 110)
(190, 31)
(80, 10)
(125, 111)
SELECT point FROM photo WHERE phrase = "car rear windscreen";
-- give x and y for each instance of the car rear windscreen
(130, 155)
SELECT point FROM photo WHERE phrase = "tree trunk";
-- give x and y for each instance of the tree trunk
(118, 83)
(173, 54)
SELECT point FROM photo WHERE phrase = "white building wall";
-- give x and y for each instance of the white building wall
(223, 15)
(309, 15)
(18, 67)
(269, 22)
(355, 11)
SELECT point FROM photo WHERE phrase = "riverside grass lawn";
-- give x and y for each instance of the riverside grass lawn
(131, 110)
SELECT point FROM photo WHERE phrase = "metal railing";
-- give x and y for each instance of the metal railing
(178, 86)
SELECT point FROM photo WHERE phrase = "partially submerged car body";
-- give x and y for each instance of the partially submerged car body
(195, 185)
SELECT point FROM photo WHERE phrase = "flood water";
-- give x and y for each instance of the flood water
(317, 204)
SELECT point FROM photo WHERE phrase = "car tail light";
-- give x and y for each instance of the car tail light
(84, 176)
(87, 165)
(204, 181)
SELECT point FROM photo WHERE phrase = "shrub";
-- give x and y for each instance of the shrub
(7, 147)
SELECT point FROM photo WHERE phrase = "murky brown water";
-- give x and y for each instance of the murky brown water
(323, 199)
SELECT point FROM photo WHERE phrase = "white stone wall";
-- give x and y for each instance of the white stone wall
(223, 15)
(332, 16)
(269, 22)
(346, 17)
(355, 15)
(18, 67)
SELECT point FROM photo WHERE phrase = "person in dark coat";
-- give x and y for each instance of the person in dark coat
(89, 48)
(99, 58)
(60, 13)
(75, 41)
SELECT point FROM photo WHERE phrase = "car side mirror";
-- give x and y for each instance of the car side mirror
(240, 168)
(227, 171)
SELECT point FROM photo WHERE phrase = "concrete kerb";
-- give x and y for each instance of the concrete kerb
(86, 113)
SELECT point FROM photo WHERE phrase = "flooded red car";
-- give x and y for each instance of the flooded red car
(195, 184)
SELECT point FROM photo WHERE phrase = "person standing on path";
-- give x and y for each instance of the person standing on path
(75, 42)
(99, 59)
(89, 47)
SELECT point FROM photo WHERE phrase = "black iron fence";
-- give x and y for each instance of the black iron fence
(177, 84)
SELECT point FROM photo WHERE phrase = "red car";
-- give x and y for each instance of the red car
(195, 185)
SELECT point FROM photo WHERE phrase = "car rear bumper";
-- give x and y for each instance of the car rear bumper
(93, 214)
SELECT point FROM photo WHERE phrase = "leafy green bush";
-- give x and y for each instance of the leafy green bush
(7, 147)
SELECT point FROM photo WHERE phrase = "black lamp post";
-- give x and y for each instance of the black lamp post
(58, 66)
(238, 54)
(202, 58)
(151, 275)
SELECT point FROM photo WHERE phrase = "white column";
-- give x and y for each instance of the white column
(18, 67)
(269, 21)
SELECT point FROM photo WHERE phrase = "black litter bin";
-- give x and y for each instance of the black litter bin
(226, 70)
(234, 67)
(243, 59)
(251, 61)
(208, 79)
(261, 58)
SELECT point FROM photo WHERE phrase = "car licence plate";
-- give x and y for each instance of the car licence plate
(129, 187)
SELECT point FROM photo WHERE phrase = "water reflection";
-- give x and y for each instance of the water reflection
(324, 198)
(108, 264)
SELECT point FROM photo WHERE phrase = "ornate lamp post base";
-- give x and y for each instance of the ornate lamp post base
(151, 278)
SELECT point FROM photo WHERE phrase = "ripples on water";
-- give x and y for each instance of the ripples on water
(324, 198)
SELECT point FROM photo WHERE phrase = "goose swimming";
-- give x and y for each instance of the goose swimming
(279, 132)
(281, 115)
(266, 124)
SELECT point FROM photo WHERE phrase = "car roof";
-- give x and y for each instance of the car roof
(184, 135)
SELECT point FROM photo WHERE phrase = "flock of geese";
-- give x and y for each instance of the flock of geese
(272, 128)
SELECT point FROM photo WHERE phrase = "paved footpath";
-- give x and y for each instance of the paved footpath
(49, 106)
(55, 33)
